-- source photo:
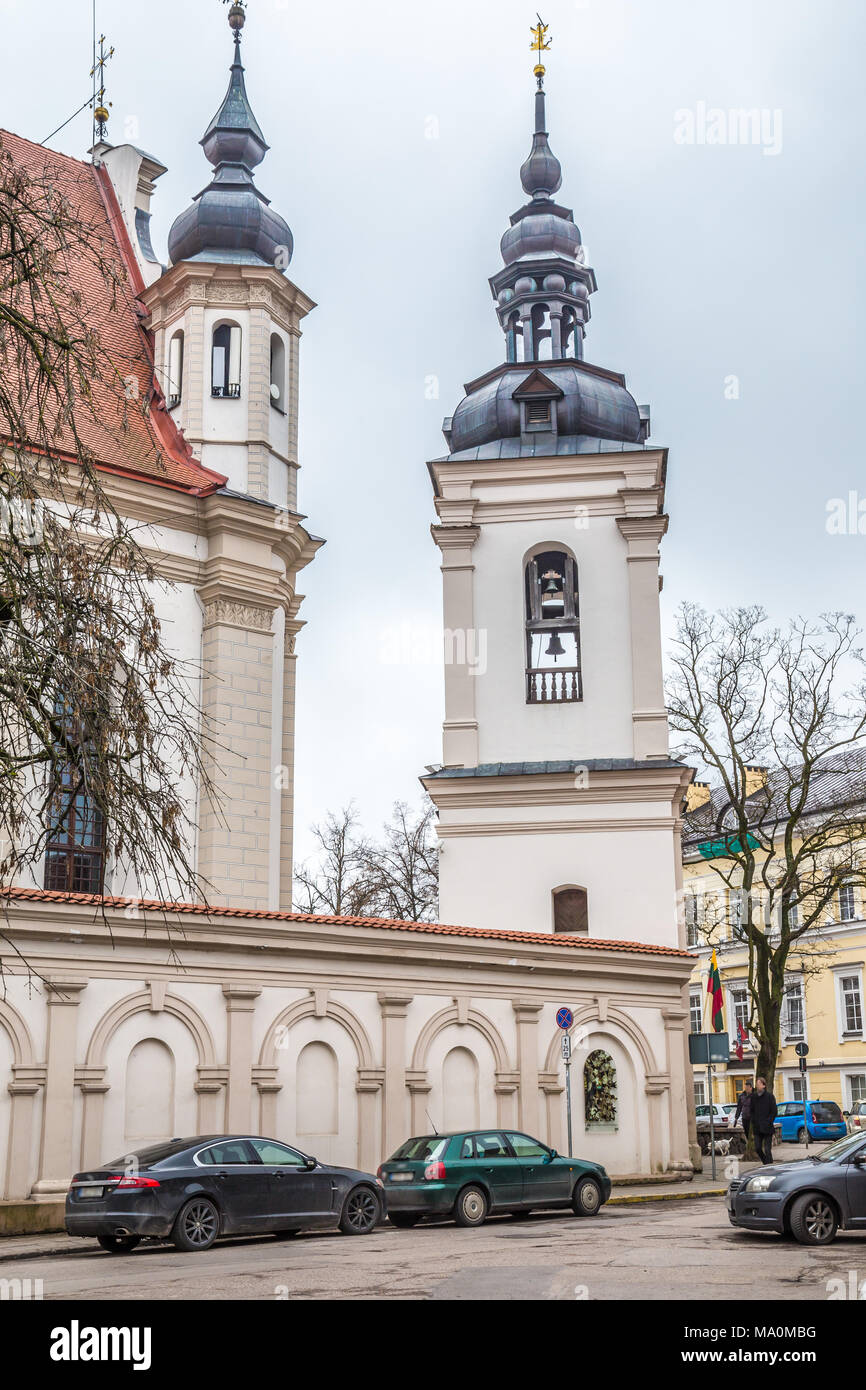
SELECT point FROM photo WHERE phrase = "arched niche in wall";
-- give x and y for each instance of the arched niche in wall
(149, 1093)
(460, 1078)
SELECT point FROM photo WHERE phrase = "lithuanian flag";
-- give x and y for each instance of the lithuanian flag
(714, 988)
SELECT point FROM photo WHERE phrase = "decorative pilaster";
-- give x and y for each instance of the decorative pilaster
(393, 1008)
(240, 1007)
(460, 730)
(369, 1088)
(526, 1016)
(287, 828)
(237, 696)
(649, 714)
(26, 1083)
(56, 1158)
(92, 1082)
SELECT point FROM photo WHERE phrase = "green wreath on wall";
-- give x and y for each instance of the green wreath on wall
(599, 1089)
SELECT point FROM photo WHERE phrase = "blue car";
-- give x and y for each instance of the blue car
(798, 1121)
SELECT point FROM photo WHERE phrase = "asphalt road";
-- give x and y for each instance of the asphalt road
(661, 1250)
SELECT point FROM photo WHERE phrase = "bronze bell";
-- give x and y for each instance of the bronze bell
(555, 647)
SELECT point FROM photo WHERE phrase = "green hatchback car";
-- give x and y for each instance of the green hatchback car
(470, 1174)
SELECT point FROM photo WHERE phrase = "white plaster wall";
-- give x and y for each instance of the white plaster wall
(598, 727)
(456, 1035)
(506, 881)
(341, 1146)
(627, 1149)
(171, 1031)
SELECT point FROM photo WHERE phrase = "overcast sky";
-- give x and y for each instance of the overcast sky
(396, 135)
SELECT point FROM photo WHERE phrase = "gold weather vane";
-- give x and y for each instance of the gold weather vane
(538, 44)
(97, 72)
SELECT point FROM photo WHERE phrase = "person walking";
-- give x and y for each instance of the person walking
(763, 1114)
(743, 1112)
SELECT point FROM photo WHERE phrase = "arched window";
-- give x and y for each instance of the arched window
(174, 384)
(75, 846)
(570, 910)
(599, 1089)
(278, 372)
(542, 350)
(226, 360)
(553, 673)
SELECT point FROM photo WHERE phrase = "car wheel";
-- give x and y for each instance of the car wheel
(361, 1211)
(813, 1219)
(119, 1245)
(802, 1136)
(402, 1219)
(470, 1209)
(587, 1197)
(197, 1225)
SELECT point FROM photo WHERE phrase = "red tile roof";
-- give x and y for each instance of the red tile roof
(385, 923)
(123, 437)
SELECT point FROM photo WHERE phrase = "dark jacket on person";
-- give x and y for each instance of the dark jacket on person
(763, 1111)
(744, 1108)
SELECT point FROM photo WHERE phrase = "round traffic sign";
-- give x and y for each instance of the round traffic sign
(564, 1018)
(802, 1049)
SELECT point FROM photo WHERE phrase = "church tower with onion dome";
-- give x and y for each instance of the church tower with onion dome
(550, 500)
(226, 322)
(226, 317)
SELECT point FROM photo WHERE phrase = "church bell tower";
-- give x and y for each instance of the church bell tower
(558, 801)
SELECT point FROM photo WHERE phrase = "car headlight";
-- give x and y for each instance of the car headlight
(759, 1184)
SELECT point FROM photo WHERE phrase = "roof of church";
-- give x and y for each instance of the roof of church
(562, 765)
(136, 438)
(324, 919)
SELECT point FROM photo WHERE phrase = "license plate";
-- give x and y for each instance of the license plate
(401, 1177)
(90, 1191)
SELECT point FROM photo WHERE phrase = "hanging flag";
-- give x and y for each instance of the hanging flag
(742, 1038)
(714, 988)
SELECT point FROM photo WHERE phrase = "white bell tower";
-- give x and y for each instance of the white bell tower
(559, 805)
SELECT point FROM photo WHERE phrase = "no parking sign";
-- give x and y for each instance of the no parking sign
(564, 1017)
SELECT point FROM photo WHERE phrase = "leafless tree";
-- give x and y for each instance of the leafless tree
(352, 875)
(404, 868)
(92, 703)
(744, 694)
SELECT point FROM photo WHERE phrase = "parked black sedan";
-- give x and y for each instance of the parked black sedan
(193, 1190)
(810, 1198)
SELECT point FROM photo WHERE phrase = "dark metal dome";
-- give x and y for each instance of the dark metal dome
(593, 403)
(231, 220)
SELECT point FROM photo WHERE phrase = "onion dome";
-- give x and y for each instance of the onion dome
(541, 171)
(545, 398)
(231, 220)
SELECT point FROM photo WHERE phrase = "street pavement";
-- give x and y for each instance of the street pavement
(652, 1250)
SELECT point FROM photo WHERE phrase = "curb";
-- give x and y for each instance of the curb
(33, 1254)
(665, 1197)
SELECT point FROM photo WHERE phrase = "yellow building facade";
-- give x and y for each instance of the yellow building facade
(824, 996)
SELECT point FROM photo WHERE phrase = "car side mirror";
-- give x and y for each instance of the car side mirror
(310, 1164)
(552, 1154)
(859, 1159)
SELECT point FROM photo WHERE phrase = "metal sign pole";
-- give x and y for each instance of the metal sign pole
(712, 1124)
(568, 1102)
(564, 1020)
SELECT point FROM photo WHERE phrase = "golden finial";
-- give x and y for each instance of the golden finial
(539, 45)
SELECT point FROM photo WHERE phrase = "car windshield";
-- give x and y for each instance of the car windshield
(429, 1147)
(826, 1112)
(842, 1149)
